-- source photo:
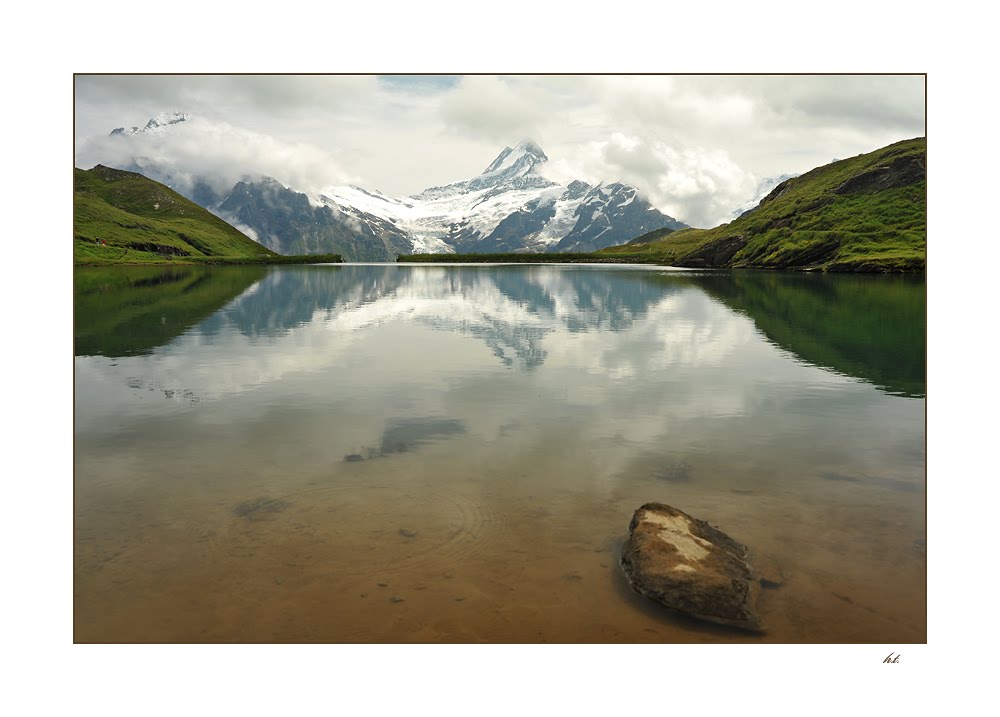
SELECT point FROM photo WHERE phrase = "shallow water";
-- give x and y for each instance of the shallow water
(453, 454)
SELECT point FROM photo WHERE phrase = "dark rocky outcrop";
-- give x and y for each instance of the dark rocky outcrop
(897, 173)
(809, 253)
(689, 566)
(877, 265)
(714, 253)
(158, 248)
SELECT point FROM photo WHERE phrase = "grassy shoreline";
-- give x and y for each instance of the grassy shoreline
(864, 266)
(522, 258)
(211, 260)
(868, 267)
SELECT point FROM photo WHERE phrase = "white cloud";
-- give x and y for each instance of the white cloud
(218, 153)
(698, 185)
(491, 108)
(695, 145)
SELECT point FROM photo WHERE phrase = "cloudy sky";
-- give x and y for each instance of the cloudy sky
(695, 145)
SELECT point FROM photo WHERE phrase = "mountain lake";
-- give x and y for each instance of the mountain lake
(439, 454)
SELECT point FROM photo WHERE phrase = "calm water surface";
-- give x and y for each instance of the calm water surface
(453, 453)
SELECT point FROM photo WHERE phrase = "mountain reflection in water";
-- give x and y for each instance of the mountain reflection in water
(871, 328)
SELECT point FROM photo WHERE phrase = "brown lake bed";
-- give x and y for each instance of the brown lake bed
(381, 454)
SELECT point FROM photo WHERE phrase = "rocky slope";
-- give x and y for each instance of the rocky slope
(287, 222)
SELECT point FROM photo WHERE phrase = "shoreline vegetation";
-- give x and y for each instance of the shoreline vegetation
(139, 258)
(144, 259)
(526, 258)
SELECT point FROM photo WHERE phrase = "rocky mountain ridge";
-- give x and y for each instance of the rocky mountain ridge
(510, 207)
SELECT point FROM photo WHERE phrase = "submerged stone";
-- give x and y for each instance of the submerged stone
(687, 565)
(260, 508)
(768, 568)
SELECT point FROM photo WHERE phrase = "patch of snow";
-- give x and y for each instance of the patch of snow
(430, 245)
(605, 230)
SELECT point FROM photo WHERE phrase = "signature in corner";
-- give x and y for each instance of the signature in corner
(891, 659)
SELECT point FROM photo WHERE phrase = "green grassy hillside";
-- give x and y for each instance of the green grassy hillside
(867, 213)
(124, 217)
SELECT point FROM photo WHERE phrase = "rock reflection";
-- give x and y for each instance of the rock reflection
(406, 434)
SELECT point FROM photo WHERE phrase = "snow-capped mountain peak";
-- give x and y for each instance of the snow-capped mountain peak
(512, 169)
(155, 124)
(166, 118)
(509, 207)
(521, 158)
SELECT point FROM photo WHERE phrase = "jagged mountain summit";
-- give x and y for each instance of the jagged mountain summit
(513, 168)
(510, 207)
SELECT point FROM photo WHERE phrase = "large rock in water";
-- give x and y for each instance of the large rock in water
(686, 564)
